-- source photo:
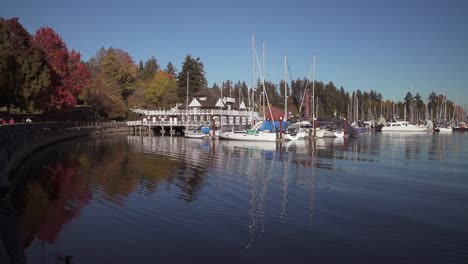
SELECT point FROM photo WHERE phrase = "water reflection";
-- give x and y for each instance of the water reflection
(205, 196)
(11, 249)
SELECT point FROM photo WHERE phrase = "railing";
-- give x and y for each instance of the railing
(173, 112)
(181, 123)
(17, 132)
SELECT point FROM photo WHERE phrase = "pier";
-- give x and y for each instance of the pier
(175, 121)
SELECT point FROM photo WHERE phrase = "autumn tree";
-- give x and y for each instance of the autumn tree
(68, 73)
(113, 81)
(162, 91)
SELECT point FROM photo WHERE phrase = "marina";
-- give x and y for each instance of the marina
(233, 132)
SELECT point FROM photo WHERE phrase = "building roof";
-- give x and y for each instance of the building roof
(208, 98)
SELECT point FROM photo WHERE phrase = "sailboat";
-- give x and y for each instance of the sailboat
(291, 133)
(253, 134)
(316, 132)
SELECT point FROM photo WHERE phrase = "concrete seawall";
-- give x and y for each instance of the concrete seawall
(17, 142)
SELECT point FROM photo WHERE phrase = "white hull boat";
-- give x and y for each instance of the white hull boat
(319, 133)
(191, 134)
(339, 133)
(443, 130)
(333, 134)
(403, 126)
(249, 136)
(291, 137)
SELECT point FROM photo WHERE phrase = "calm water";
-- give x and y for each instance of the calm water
(380, 198)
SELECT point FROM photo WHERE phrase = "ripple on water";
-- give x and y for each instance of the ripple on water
(378, 198)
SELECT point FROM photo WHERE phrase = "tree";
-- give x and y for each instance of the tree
(140, 68)
(162, 91)
(113, 81)
(118, 66)
(150, 69)
(197, 80)
(215, 86)
(297, 91)
(36, 76)
(433, 101)
(171, 69)
(103, 98)
(409, 102)
(68, 73)
(10, 76)
(245, 93)
(23, 71)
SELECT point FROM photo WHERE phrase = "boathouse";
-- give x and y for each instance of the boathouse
(205, 107)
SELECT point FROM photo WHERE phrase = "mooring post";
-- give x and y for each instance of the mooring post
(213, 127)
(345, 127)
(315, 127)
(281, 127)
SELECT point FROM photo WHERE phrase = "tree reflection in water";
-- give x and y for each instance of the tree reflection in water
(110, 170)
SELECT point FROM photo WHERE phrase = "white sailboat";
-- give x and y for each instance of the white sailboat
(251, 134)
(291, 133)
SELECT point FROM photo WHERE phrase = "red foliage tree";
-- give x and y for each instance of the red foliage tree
(277, 113)
(68, 73)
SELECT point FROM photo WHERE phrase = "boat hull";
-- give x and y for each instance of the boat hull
(248, 137)
(319, 133)
(443, 130)
(460, 129)
(195, 135)
(407, 129)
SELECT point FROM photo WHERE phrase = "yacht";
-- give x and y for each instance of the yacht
(403, 126)
(249, 135)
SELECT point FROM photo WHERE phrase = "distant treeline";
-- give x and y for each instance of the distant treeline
(39, 73)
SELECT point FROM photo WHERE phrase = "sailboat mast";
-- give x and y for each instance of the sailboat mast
(313, 88)
(285, 90)
(186, 107)
(263, 74)
(253, 81)
(445, 108)
(313, 93)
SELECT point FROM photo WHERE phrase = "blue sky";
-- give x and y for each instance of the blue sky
(389, 46)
